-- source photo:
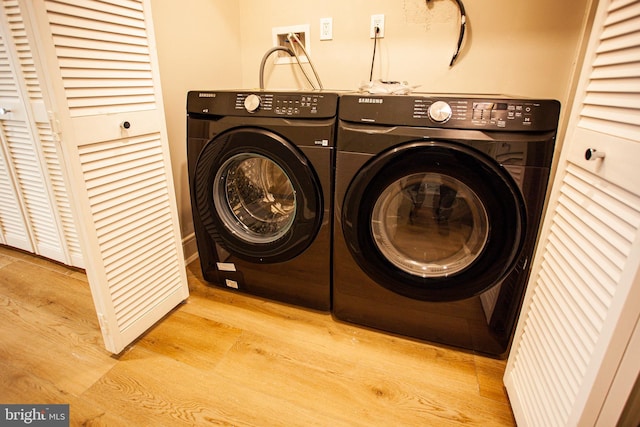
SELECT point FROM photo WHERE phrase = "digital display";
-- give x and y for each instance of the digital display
(489, 106)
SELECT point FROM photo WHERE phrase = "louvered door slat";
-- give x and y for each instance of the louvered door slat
(101, 34)
(615, 71)
(623, 10)
(89, 48)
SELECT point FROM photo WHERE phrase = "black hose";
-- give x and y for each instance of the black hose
(463, 24)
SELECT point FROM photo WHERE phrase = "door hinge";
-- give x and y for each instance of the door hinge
(55, 126)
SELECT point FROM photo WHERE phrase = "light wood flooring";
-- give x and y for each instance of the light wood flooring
(224, 358)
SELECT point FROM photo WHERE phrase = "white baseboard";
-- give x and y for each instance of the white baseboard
(190, 248)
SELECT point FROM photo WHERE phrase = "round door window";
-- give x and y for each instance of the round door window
(435, 220)
(429, 225)
(255, 197)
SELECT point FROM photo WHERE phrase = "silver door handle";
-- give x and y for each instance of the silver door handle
(4, 111)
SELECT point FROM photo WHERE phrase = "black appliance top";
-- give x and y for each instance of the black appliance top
(247, 103)
(481, 112)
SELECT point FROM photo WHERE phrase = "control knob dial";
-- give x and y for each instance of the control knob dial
(440, 111)
(252, 103)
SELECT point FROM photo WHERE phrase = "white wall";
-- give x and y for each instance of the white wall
(198, 48)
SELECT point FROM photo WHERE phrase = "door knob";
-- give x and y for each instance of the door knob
(4, 111)
(592, 154)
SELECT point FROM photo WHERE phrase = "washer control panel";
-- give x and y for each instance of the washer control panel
(452, 112)
(281, 104)
(298, 105)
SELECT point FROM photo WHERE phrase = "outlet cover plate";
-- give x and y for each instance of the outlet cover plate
(326, 28)
(377, 21)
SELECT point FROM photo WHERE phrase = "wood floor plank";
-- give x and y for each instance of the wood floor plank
(54, 349)
(321, 332)
(148, 389)
(19, 386)
(490, 372)
(377, 394)
(49, 331)
(190, 339)
(18, 255)
(50, 291)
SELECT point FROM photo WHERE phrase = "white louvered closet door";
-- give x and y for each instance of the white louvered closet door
(102, 70)
(34, 209)
(13, 228)
(569, 364)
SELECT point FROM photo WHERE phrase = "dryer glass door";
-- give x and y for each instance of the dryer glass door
(435, 205)
(435, 221)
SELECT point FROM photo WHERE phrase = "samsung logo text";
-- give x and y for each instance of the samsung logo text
(370, 100)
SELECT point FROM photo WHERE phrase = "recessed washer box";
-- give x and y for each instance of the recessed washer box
(280, 39)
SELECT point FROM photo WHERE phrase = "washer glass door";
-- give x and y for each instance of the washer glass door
(434, 205)
(255, 197)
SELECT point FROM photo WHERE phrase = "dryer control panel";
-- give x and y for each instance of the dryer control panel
(293, 105)
(453, 112)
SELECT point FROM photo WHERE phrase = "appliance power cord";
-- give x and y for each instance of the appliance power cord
(373, 58)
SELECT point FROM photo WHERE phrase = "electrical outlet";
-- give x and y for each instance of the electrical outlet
(280, 39)
(326, 28)
(377, 21)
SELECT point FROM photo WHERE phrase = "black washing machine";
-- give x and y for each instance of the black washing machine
(261, 175)
(438, 201)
